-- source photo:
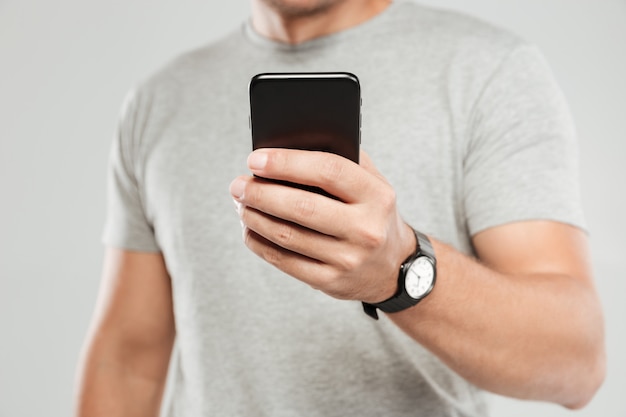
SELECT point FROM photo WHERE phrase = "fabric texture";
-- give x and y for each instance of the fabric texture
(464, 120)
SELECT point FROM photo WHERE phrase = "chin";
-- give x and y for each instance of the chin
(301, 7)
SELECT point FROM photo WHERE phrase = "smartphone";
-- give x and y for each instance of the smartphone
(310, 111)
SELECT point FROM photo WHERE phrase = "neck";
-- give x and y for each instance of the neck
(294, 25)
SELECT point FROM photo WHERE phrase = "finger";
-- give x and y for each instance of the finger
(293, 237)
(310, 210)
(336, 175)
(307, 270)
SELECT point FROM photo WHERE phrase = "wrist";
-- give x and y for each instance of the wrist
(406, 246)
(415, 280)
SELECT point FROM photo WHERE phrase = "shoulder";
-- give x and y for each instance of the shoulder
(173, 86)
(190, 69)
(451, 26)
(455, 37)
(463, 54)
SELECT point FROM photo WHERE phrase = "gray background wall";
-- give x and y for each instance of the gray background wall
(64, 69)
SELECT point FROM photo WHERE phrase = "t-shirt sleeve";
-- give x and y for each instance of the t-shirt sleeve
(521, 161)
(126, 225)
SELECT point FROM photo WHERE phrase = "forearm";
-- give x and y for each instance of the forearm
(113, 383)
(533, 336)
(529, 325)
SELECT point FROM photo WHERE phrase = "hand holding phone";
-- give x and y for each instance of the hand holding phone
(308, 111)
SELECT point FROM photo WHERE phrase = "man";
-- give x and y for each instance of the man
(468, 141)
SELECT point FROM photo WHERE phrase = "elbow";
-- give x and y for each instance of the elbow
(591, 359)
(591, 378)
(592, 383)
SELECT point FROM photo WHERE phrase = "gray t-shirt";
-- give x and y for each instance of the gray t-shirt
(464, 120)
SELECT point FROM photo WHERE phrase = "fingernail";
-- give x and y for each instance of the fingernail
(237, 187)
(257, 160)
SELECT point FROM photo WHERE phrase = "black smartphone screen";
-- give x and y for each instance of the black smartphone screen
(310, 111)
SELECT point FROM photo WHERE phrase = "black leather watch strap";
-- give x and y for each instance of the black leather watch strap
(424, 245)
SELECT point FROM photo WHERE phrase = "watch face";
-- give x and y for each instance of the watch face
(419, 277)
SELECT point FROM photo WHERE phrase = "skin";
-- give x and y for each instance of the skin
(524, 318)
(124, 364)
(296, 21)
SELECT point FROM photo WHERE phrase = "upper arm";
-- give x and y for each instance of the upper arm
(134, 312)
(536, 247)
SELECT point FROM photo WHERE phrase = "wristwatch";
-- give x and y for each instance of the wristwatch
(416, 279)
